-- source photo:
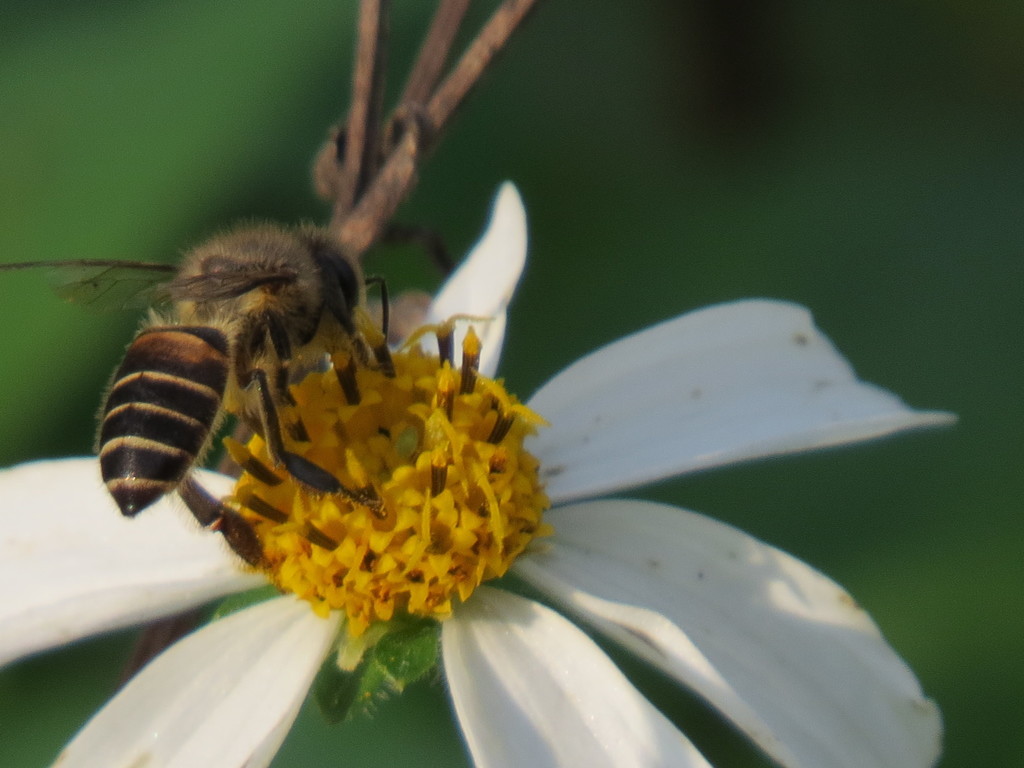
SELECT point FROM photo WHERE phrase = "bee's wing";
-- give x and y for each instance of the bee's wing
(102, 284)
(227, 283)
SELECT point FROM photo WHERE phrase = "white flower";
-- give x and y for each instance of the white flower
(776, 647)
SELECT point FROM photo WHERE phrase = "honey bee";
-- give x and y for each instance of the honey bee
(246, 309)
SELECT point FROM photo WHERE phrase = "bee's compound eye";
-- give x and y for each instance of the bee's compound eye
(348, 281)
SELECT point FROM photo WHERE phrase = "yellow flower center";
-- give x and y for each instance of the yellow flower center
(439, 494)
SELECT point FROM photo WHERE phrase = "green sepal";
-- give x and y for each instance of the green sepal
(242, 600)
(406, 651)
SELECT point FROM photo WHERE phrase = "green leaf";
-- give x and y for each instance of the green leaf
(409, 654)
(399, 658)
(335, 690)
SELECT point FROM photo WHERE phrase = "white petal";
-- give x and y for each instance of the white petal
(483, 285)
(779, 648)
(720, 385)
(531, 689)
(71, 565)
(224, 696)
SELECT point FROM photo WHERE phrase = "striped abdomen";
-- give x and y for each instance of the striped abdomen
(160, 410)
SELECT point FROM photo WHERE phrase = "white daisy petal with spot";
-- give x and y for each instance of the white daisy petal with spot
(530, 688)
(71, 565)
(225, 695)
(777, 647)
(483, 285)
(724, 384)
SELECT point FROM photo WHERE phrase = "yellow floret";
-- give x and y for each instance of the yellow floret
(439, 493)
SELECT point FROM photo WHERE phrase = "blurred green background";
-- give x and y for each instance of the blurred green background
(862, 158)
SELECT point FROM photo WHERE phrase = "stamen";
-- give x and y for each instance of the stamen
(264, 509)
(425, 508)
(315, 536)
(445, 342)
(298, 430)
(445, 398)
(347, 379)
(498, 462)
(260, 471)
(250, 464)
(501, 427)
(438, 472)
(470, 361)
(368, 560)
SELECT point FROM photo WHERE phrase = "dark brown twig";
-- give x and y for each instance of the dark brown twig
(371, 214)
(433, 55)
(367, 221)
(492, 38)
(364, 118)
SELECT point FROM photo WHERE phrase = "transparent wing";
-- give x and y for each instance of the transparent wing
(102, 284)
(220, 284)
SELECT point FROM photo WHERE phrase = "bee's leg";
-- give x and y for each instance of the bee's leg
(269, 383)
(306, 472)
(278, 337)
(214, 515)
(339, 277)
(337, 274)
(379, 346)
(385, 303)
(301, 469)
(280, 377)
(407, 312)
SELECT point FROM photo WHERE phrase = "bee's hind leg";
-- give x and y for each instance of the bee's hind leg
(214, 515)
